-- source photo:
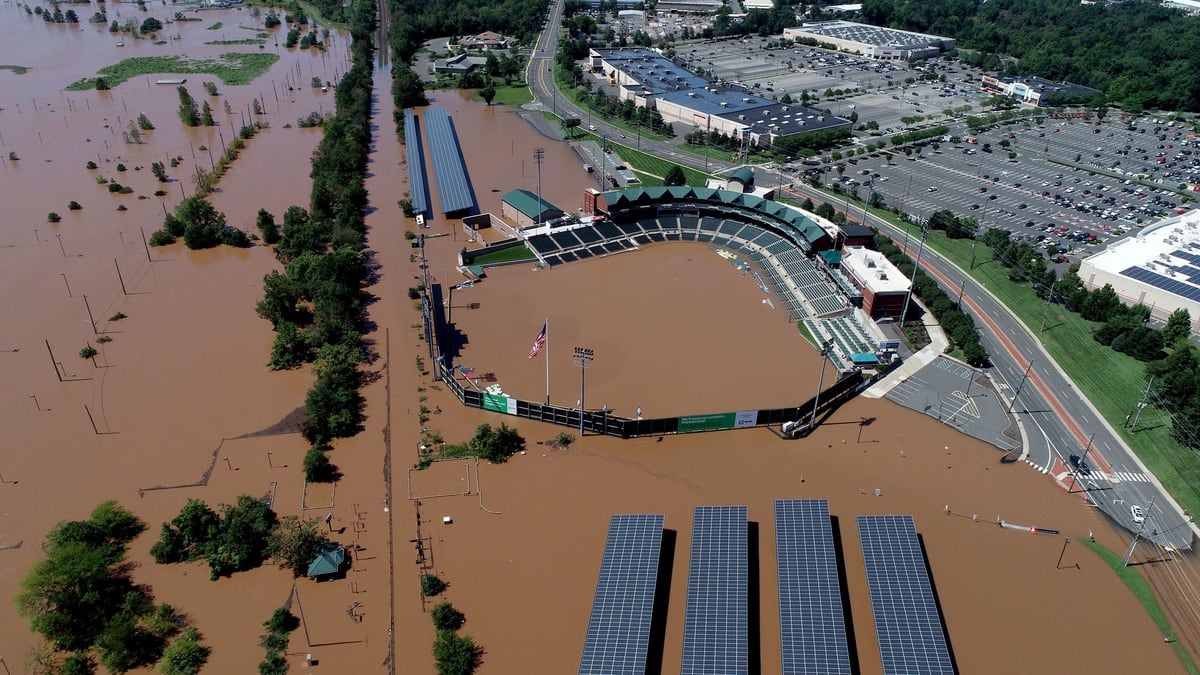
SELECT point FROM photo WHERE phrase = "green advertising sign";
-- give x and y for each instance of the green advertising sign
(713, 422)
(500, 404)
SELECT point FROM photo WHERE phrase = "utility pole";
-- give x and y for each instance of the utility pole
(1137, 534)
(1022, 384)
(1046, 306)
(1082, 462)
(1141, 405)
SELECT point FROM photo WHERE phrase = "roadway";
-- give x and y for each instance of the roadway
(1057, 419)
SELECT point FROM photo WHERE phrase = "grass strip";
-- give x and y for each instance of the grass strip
(232, 67)
(1141, 590)
(19, 70)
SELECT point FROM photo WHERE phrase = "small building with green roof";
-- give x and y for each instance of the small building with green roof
(526, 209)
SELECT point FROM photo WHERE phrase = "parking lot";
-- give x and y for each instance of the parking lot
(1070, 185)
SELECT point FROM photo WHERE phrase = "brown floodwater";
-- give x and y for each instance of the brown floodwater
(183, 387)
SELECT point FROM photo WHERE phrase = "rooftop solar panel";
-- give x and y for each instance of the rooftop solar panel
(418, 189)
(715, 630)
(907, 623)
(1167, 284)
(454, 189)
(812, 622)
(618, 634)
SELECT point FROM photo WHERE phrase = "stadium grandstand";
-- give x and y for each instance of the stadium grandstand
(776, 243)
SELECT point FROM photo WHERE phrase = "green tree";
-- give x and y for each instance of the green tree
(456, 655)
(185, 656)
(70, 596)
(78, 663)
(432, 584)
(206, 115)
(675, 176)
(159, 171)
(189, 535)
(151, 25)
(282, 621)
(496, 445)
(447, 618)
(267, 227)
(189, 114)
(1179, 325)
(318, 468)
(242, 543)
(295, 543)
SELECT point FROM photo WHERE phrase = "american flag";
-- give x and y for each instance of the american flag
(538, 342)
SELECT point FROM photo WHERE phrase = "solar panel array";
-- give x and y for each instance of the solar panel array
(618, 634)
(454, 189)
(1175, 286)
(417, 188)
(907, 623)
(715, 630)
(812, 623)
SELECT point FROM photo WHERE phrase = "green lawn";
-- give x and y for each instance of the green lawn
(233, 68)
(512, 254)
(1111, 380)
(511, 94)
(1142, 591)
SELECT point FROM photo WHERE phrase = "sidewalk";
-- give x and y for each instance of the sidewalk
(937, 345)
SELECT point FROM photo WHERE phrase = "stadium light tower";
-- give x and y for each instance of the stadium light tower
(583, 359)
(920, 250)
(538, 154)
(825, 349)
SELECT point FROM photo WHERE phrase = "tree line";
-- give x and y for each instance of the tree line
(1142, 55)
(1171, 359)
(316, 303)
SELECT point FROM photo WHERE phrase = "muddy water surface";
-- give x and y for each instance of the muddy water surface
(675, 329)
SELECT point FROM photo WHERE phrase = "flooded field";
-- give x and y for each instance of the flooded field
(182, 390)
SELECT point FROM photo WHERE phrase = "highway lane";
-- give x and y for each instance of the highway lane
(1057, 420)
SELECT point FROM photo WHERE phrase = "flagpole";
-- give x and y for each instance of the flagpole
(547, 360)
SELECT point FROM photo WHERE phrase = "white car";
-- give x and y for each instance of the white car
(1138, 516)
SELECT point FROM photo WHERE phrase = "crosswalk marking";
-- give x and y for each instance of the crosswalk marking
(1116, 476)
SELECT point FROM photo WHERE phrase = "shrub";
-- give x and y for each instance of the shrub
(74, 205)
(122, 207)
(118, 316)
(273, 664)
(88, 352)
(162, 238)
(445, 617)
(53, 217)
(91, 165)
(282, 621)
(318, 468)
(432, 584)
(120, 167)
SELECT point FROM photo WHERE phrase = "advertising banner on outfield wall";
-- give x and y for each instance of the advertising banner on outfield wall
(502, 404)
(718, 421)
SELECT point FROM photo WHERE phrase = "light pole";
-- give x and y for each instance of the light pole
(583, 359)
(825, 349)
(911, 281)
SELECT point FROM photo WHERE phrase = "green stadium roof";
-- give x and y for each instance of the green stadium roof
(642, 196)
(527, 203)
(744, 175)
